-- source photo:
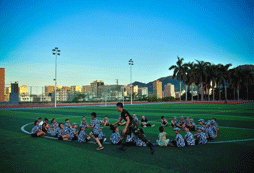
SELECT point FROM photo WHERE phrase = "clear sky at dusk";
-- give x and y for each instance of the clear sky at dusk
(97, 38)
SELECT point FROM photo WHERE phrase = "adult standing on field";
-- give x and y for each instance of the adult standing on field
(130, 127)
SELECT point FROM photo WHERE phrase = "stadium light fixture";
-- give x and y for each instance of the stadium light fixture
(55, 52)
(131, 63)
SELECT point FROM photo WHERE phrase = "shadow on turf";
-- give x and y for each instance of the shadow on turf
(234, 157)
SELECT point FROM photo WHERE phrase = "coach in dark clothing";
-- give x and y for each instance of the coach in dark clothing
(144, 122)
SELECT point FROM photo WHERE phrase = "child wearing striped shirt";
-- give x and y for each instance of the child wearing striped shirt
(36, 131)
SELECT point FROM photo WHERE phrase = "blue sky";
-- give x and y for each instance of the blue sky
(97, 38)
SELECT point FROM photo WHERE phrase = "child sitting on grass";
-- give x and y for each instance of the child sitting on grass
(189, 139)
(115, 137)
(164, 121)
(179, 141)
(82, 136)
(192, 125)
(54, 124)
(73, 132)
(36, 131)
(201, 137)
(62, 134)
(201, 123)
(135, 118)
(67, 126)
(215, 124)
(181, 123)
(207, 126)
(174, 122)
(187, 121)
(162, 141)
(84, 122)
(52, 131)
(211, 131)
(106, 121)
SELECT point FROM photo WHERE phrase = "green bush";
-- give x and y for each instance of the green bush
(165, 99)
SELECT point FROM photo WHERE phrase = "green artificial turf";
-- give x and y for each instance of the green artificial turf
(21, 153)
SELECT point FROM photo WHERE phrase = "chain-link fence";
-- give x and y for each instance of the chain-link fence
(86, 94)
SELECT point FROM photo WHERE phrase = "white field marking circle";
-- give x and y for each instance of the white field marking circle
(49, 137)
(150, 121)
(218, 142)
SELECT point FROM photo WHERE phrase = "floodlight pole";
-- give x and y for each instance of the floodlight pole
(131, 64)
(55, 52)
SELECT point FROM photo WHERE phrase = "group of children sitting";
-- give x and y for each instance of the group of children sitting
(68, 131)
(207, 131)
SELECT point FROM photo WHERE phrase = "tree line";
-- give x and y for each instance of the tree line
(218, 77)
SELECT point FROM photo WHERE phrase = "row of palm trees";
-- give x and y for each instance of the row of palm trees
(206, 76)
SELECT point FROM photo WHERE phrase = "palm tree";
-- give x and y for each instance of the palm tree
(248, 79)
(219, 78)
(234, 79)
(209, 76)
(201, 75)
(189, 70)
(178, 72)
(213, 71)
(225, 77)
(191, 76)
(185, 79)
(238, 77)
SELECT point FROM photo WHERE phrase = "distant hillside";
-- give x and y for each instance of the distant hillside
(247, 66)
(164, 80)
(175, 82)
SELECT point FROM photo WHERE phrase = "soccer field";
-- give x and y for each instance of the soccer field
(232, 151)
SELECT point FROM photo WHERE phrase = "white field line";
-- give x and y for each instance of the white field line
(151, 121)
(70, 116)
(218, 142)
(221, 142)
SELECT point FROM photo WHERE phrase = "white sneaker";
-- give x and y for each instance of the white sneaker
(153, 125)
(105, 139)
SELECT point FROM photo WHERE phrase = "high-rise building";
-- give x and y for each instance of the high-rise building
(14, 96)
(23, 90)
(157, 89)
(143, 91)
(124, 90)
(7, 93)
(49, 90)
(59, 87)
(66, 88)
(61, 95)
(86, 89)
(2, 84)
(76, 88)
(96, 87)
(169, 90)
(134, 89)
